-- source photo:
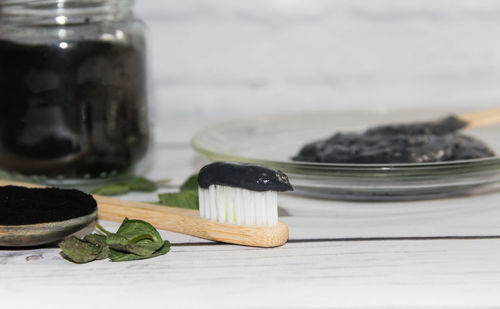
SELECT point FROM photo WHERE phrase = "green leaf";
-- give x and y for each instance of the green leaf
(131, 229)
(185, 199)
(103, 230)
(137, 237)
(122, 187)
(134, 240)
(98, 240)
(163, 181)
(141, 184)
(190, 184)
(144, 247)
(114, 189)
(119, 256)
(79, 251)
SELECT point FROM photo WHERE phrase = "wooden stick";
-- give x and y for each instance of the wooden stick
(481, 118)
(184, 221)
(189, 222)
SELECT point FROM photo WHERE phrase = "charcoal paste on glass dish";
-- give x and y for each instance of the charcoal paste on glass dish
(398, 143)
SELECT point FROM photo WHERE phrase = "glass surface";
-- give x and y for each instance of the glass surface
(73, 88)
(273, 140)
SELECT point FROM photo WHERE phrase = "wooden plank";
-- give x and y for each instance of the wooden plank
(440, 272)
(465, 216)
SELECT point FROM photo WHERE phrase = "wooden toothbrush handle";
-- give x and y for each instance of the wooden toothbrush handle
(185, 221)
(481, 118)
(189, 222)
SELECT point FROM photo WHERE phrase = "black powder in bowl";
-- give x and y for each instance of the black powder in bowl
(20, 205)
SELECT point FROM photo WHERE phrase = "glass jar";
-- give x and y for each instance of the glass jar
(73, 97)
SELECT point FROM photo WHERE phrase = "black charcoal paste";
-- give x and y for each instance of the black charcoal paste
(400, 143)
(247, 176)
(21, 206)
(72, 110)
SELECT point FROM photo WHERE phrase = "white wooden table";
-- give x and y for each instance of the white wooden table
(434, 252)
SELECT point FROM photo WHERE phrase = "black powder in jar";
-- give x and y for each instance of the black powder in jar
(72, 110)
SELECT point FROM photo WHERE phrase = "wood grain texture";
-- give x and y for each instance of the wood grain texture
(481, 117)
(297, 275)
(189, 222)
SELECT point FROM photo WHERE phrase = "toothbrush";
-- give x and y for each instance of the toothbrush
(238, 205)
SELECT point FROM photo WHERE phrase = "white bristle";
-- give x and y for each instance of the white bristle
(201, 202)
(238, 206)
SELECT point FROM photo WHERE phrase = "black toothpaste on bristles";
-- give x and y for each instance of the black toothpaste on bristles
(239, 193)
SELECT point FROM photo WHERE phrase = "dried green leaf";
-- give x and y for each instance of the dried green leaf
(119, 256)
(190, 184)
(134, 240)
(131, 229)
(137, 237)
(185, 199)
(79, 251)
(114, 189)
(143, 247)
(98, 240)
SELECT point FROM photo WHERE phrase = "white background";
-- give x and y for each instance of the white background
(236, 58)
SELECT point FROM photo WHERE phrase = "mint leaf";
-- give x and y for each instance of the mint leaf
(120, 256)
(133, 229)
(98, 240)
(134, 240)
(137, 237)
(141, 184)
(184, 199)
(122, 187)
(114, 189)
(144, 248)
(190, 184)
(79, 251)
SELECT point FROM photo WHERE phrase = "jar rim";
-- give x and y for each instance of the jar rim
(63, 12)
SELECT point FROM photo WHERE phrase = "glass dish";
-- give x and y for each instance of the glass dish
(273, 140)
